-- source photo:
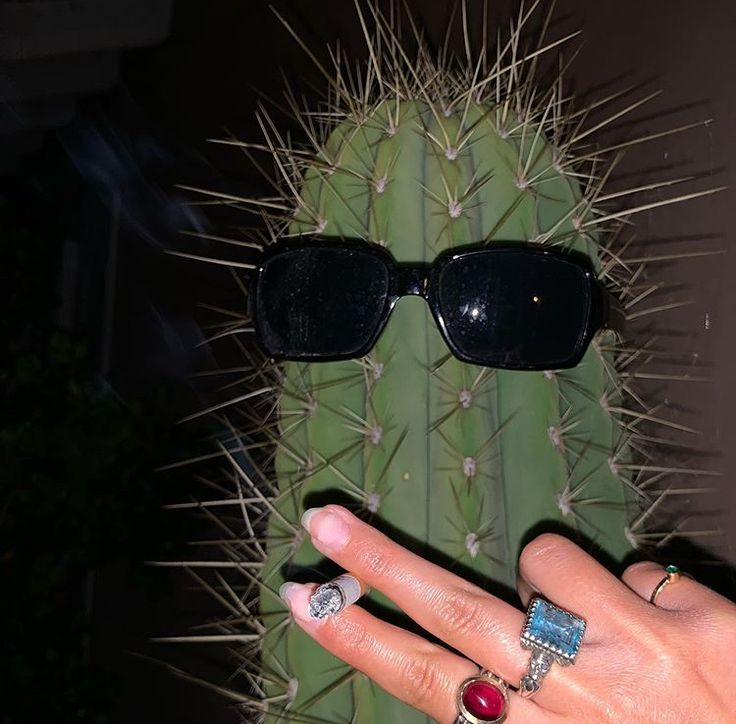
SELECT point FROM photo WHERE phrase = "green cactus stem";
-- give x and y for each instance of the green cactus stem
(463, 460)
(421, 154)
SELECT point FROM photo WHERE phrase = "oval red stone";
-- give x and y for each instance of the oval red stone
(484, 700)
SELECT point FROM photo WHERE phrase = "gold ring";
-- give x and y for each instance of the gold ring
(482, 699)
(672, 575)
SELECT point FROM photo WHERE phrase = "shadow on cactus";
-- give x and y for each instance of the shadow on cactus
(421, 153)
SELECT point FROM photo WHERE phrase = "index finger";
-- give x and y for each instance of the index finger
(471, 620)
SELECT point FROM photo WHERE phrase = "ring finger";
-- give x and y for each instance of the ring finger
(679, 594)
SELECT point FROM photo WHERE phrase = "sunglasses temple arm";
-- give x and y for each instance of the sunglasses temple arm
(614, 317)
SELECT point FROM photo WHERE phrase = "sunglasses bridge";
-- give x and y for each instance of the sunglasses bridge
(413, 279)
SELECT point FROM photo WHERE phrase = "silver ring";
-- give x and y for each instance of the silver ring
(482, 699)
(554, 636)
(332, 597)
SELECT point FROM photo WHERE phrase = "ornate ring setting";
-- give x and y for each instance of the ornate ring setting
(334, 596)
(554, 636)
(482, 699)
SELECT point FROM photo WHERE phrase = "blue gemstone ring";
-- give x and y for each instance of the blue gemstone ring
(554, 636)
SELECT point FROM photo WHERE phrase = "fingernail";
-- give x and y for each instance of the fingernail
(327, 528)
(284, 591)
(307, 515)
(296, 596)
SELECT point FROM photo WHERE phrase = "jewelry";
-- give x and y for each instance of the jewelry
(554, 636)
(672, 575)
(482, 699)
(334, 596)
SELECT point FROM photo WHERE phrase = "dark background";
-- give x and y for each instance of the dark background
(201, 82)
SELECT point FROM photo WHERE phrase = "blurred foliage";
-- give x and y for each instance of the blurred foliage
(77, 489)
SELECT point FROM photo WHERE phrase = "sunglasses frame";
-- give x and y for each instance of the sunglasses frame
(422, 280)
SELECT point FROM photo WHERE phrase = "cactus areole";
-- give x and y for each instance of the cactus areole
(418, 155)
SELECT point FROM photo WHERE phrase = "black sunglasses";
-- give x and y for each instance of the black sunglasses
(510, 307)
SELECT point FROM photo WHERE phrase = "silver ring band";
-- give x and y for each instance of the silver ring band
(539, 665)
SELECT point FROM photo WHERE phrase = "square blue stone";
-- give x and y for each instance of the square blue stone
(554, 629)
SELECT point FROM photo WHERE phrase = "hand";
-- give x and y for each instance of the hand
(669, 663)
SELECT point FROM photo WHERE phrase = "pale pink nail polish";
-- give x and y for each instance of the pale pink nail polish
(307, 516)
(329, 529)
(284, 591)
(296, 596)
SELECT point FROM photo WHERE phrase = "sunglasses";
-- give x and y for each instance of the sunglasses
(509, 307)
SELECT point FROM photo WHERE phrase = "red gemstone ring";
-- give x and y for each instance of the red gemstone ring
(482, 699)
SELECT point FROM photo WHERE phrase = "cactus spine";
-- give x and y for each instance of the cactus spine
(421, 154)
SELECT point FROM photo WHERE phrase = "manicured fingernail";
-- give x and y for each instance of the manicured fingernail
(284, 591)
(307, 515)
(296, 596)
(328, 529)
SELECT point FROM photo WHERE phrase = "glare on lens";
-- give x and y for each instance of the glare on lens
(476, 311)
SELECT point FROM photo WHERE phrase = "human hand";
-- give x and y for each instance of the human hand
(669, 663)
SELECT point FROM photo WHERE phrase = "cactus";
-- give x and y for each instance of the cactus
(421, 154)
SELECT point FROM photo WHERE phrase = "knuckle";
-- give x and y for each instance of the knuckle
(654, 640)
(460, 614)
(637, 568)
(721, 621)
(374, 562)
(724, 632)
(543, 548)
(668, 661)
(352, 636)
(421, 680)
(715, 625)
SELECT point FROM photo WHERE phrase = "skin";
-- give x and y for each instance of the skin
(672, 662)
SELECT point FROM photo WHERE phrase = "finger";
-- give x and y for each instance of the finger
(575, 581)
(525, 591)
(472, 621)
(422, 674)
(682, 595)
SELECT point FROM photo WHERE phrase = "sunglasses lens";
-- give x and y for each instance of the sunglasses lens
(320, 302)
(515, 310)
